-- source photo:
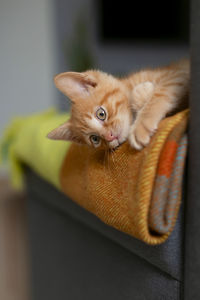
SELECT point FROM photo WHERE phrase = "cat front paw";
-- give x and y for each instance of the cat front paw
(141, 132)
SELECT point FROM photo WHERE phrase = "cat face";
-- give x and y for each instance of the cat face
(100, 114)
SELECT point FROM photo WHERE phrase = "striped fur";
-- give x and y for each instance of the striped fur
(134, 105)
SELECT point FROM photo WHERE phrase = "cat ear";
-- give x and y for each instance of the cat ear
(65, 133)
(75, 85)
(142, 93)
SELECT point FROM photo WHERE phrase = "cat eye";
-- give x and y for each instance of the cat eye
(95, 139)
(101, 114)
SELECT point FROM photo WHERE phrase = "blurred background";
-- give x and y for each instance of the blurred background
(41, 38)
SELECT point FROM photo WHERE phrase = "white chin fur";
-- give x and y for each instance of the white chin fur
(114, 144)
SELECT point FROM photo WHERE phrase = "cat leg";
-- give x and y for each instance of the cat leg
(141, 94)
(154, 99)
(147, 121)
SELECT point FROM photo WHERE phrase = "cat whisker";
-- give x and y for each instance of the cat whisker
(111, 152)
(108, 161)
(114, 163)
(104, 160)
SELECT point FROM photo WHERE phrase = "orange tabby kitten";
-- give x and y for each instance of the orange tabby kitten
(106, 111)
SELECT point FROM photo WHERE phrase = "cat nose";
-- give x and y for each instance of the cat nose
(109, 137)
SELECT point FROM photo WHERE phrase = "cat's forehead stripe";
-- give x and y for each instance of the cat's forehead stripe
(94, 123)
(108, 94)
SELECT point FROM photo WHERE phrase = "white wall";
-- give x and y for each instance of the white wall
(26, 57)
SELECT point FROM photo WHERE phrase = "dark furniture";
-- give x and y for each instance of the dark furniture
(75, 256)
(192, 216)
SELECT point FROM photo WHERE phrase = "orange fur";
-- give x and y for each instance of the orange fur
(132, 106)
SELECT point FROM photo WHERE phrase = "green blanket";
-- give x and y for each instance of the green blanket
(25, 141)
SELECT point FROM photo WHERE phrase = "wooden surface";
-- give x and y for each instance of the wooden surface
(14, 275)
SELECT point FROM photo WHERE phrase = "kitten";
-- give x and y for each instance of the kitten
(106, 111)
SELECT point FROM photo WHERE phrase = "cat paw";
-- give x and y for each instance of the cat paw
(141, 132)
